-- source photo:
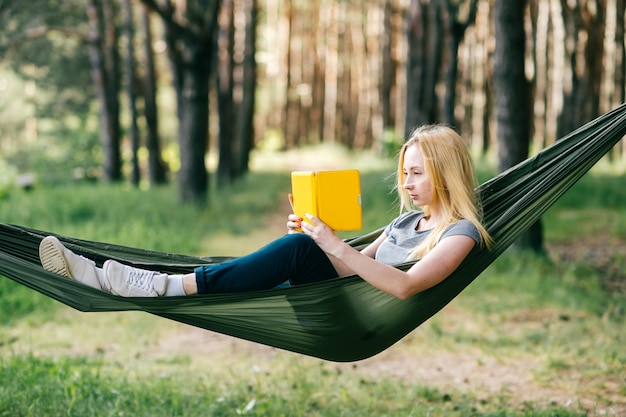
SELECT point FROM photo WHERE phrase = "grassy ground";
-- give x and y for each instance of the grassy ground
(532, 336)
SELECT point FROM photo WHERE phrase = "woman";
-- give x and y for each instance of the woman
(435, 174)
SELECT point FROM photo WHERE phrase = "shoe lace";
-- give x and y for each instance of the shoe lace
(140, 278)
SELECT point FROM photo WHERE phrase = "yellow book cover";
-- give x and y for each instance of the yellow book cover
(333, 196)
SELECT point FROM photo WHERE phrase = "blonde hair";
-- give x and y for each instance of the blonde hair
(449, 165)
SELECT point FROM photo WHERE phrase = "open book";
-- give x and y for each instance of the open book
(333, 196)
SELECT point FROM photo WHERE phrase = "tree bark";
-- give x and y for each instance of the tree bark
(388, 67)
(415, 80)
(512, 98)
(331, 25)
(423, 64)
(455, 30)
(289, 129)
(105, 74)
(225, 67)
(236, 85)
(156, 166)
(245, 127)
(585, 33)
(192, 91)
(189, 34)
(620, 73)
(129, 65)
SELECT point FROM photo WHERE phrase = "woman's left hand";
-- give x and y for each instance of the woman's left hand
(323, 235)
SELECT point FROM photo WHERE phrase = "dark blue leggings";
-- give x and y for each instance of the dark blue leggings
(294, 257)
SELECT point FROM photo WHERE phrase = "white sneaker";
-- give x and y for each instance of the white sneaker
(57, 258)
(127, 281)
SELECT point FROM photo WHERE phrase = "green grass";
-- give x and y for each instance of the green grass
(553, 319)
(84, 387)
(154, 218)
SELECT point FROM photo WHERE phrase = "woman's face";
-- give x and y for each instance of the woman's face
(417, 183)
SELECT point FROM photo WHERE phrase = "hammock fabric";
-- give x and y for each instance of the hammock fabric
(344, 319)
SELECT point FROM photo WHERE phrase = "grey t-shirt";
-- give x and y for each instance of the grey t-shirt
(402, 237)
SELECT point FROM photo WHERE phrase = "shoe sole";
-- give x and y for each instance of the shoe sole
(52, 258)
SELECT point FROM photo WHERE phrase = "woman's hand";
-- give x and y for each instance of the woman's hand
(294, 224)
(323, 235)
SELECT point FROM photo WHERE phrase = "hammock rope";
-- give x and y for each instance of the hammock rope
(344, 319)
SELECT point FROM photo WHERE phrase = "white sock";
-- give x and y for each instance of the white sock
(174, 286)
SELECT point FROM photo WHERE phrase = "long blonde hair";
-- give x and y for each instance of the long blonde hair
(449, 165)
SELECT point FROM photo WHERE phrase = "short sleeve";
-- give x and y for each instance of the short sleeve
(463, 227)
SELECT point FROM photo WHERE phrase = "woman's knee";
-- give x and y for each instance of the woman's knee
(295, 246)
(298, 240)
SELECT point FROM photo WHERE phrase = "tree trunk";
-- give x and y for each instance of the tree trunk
(291, 139)
(156, 166)
(512, 99)
(318, 91)
(189, 34)
(225, 67)
(105, 73)
(620, 73)
(415, 80)
(129, 64)
(565, 122)
(455, 30)
(245, 127)
(236, 84)
(388, 71)
(585, 33)
(594, 22)
(433, 62)
(193, 116)
(423, 64)
(331, 25)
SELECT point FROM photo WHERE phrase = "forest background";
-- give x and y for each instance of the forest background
(109, 89)
(200, 89)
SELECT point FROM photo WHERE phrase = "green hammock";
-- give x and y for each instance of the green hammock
(344, 319)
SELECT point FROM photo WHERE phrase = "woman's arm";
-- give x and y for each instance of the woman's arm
(369, 251)
(436, 266)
